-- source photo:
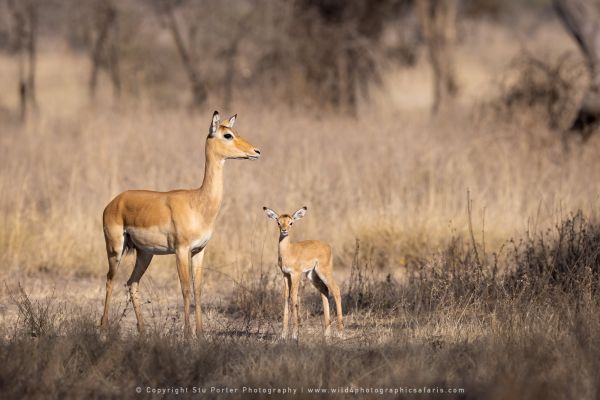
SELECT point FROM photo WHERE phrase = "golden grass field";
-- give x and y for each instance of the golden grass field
(393, 178)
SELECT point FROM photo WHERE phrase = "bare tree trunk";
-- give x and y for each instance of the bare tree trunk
(581, 19)
(199, 93)
(22, 88)
(351, 78)
(230, 55)
(32, 53)
(438, 25)
(24, 17)
(115, 69)
(21, 62)
(104, 52)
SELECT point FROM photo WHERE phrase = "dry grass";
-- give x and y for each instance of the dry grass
(456, 325)
(424, 308)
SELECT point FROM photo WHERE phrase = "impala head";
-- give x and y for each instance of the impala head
(224, 141)
(285, 221)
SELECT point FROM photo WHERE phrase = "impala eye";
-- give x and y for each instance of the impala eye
(228, 136)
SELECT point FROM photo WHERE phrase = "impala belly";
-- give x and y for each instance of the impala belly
(159, 241)
(153, 240)
(310, 266)
(199, 244)
(286, 269)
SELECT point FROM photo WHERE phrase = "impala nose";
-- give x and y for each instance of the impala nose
(257, 151)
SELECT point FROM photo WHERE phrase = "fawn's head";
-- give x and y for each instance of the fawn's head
(226, 143)
(285, 221)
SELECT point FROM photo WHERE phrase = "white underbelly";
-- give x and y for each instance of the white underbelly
(156, 241)
(199, 244)
(150, 240)
(286, 269)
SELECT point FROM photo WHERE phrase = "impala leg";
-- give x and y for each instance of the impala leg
(295, 283)
(321, 286)
(335, 290)
(286, 304)
(113, 263)
(114, 251)
(183, 269)
(197, 261)
(141, 264)
(326, 276)
(326, 319)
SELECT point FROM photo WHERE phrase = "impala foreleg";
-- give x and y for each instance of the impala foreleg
(295, 283)
(286, 304)
(183, 269)
(197, 262)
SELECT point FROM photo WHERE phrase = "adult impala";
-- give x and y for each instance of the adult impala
(179, 222)
(312, 258)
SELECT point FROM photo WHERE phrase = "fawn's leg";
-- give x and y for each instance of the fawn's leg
(286, 305)
(295, 283)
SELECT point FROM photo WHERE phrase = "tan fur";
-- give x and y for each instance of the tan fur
(310, 258)
(178, 222)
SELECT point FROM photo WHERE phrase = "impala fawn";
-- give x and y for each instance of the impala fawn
(312, 258)
(179, 222)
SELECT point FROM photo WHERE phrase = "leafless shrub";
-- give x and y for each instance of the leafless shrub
(366, 290)
(257, 295)
(37, 318)
(448, 321)
(568, 259)
(542, 90)
(24, 31)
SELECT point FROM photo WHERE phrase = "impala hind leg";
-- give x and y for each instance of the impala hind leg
(326, 319)
(141, 264)
(326, 277)
(115, 251)
(335, 290)
(318, 283)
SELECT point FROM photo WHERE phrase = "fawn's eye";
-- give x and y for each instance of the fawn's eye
(228, 136)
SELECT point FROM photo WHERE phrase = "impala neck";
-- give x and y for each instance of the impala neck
(284, 244)
(211, 191)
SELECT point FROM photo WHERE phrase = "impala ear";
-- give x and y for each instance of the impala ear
(216, 118)
(300, 213)
(270, 213)
(229, 123)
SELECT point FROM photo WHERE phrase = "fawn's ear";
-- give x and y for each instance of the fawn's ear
(270, 213)
(300, 213)
(216, 118)
(229, 123)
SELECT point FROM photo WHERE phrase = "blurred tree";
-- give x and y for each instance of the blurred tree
(582, 20)
(105, 45)
(166, 10)
(335, 44)
(24, 19)
(438, 26)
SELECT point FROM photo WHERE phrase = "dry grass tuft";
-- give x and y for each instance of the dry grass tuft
(455, 325)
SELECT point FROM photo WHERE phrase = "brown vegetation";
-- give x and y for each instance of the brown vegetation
(466, 247)
(457, 324)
